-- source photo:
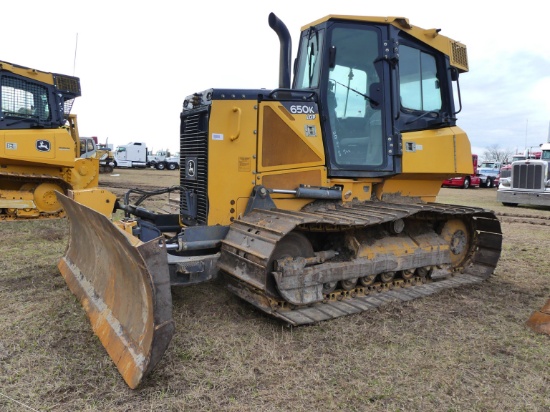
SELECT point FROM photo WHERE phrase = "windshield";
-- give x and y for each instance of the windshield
(24, 99)
(355, 117)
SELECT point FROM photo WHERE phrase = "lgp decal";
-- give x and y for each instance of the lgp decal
(43, 145)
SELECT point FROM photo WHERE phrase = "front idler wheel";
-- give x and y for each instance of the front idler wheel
(457, 235)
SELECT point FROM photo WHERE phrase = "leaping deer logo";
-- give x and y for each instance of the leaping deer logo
(43, 145)
(191, 168)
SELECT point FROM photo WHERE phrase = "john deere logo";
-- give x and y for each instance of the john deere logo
(43, 145)
(191, 168)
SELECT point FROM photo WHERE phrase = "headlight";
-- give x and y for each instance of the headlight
(505, 181)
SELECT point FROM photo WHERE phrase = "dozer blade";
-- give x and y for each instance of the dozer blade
(124, 287)
(540, 319)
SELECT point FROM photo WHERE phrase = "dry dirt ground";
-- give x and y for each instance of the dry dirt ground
(465, 349)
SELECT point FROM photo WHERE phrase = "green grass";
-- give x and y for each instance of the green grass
(466, 349)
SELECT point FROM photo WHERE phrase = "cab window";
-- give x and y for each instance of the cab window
(310, 60)
(418, 83)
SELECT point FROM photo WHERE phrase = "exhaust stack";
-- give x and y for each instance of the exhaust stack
(286, 50)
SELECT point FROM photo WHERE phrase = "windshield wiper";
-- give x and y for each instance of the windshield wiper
(432, 112)
(369, 99)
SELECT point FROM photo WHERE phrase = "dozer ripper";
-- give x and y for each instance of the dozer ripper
(312, 201)
(39, 146)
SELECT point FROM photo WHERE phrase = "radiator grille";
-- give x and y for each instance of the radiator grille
(68, 84)
(528, 176)
(505, 173)
(459, 56)
(194, 147)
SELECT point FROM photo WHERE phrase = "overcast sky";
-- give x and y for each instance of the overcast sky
(138, 60)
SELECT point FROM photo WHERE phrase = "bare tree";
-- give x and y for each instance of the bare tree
(495, 153)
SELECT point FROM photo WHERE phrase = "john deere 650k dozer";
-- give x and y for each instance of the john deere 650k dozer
(313, 200)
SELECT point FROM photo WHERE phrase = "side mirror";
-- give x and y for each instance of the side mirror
(332, 57)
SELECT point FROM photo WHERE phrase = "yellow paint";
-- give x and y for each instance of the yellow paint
(235, 147)
(421, 187)
(441, 151)
(298, 130)
(429, 157)
(457, 236)
(229, 160)
(398, 246)
(455, 50)
(100, 200)
(356, 189)
(34, 74)
(16, 199)
(19, 147)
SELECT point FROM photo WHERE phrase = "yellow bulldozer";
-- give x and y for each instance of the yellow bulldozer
(39, 146)
(311, 201)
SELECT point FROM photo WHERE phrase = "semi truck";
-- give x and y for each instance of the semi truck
(528, 182)
(489, 173)
(133, 154)
(164, 159)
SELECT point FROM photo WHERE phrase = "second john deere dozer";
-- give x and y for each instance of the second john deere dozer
(39, 146)
(313, 200)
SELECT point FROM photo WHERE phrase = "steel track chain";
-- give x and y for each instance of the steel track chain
(251, 241)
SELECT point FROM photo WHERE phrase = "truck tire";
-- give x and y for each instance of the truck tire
(490, 183)
(172, 166)
(466, 183)
(160, 166)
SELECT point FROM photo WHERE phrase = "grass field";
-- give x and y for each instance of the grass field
(465, 349)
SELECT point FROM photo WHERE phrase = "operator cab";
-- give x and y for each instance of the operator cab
(29, 103)
(374, 82)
